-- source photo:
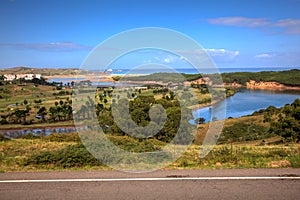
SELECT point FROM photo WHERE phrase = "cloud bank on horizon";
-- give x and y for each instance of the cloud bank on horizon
(233, 33)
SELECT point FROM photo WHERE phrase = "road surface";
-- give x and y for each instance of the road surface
(165, 184)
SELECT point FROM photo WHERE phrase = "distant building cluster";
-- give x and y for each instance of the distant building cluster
(11, 77)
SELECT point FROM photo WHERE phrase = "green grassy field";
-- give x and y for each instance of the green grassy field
(65, 152)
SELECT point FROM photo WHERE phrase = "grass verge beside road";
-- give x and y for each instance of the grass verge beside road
(65, 152)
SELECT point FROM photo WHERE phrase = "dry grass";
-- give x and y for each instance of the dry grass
(14, 154)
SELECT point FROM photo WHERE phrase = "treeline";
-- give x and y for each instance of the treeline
(164, 77)
(289, 77)
(61, 111)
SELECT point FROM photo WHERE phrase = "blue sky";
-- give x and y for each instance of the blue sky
(248, 33)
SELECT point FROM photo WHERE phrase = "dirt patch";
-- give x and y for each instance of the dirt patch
(281, 163)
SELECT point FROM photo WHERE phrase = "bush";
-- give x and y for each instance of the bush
(294, 160)
(241, 132)
(3, 137)
(71, 156)
(29, 136)
(62, 137)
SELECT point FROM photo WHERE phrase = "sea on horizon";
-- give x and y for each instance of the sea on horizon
(192, 70)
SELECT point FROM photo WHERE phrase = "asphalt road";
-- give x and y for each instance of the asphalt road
(166, 184)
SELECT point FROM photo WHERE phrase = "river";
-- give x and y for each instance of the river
(246, 102)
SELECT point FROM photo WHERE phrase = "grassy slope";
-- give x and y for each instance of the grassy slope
(65, 152)
(38, 154)
(43, 71)
(13, 94)
(164, 77)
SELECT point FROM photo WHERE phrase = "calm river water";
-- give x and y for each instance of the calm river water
(246, 102)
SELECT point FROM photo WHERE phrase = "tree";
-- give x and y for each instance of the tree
(20, 115)
(199, 120)
(116, 78)
(42, 112)
(25, 102)
(53, 112)
(4, 119)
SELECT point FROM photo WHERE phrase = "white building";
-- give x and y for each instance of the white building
(11, 77)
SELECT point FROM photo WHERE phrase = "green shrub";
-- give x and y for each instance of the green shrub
(241, 132)
(3, 138)
(62, 137)
(71, 156)
(294, 160)
(29, 136)
(277, 153)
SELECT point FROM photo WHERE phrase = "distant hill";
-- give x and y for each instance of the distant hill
(288, 77)
(163, 77)
(43, 71)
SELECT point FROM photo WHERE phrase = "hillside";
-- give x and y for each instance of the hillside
(288, 78)
(163, 77)
(43, 71)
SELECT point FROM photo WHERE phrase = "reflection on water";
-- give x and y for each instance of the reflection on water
(17, 133)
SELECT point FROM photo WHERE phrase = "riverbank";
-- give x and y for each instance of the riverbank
(246, 101)
(78, 78)
(200, 106)
(261, 85)
(63, 124)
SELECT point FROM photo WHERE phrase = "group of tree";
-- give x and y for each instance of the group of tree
(61, 111)
(284, 121)
(203, 89)
(17, 116)
(164, 77)
(134, 116)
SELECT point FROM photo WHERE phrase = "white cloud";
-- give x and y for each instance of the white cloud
(286, 26)
(222, 53)
(289, 26)
(239, 21)
(216, 54)
(169, 59)
(263, 55)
